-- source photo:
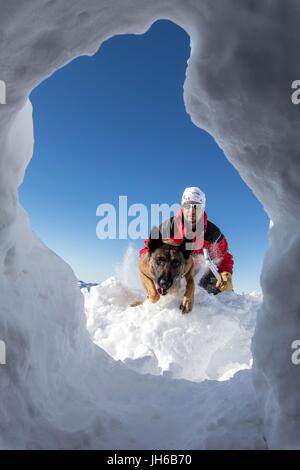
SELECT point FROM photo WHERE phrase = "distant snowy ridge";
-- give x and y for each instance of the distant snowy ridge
(86, 285)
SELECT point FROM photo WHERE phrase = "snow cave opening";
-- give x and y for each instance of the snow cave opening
(159, 352)
(96, 402)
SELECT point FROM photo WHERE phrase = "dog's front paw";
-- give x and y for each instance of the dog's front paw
(154, 298)
(186, 305)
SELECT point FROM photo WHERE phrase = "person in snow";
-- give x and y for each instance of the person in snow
(192, 227)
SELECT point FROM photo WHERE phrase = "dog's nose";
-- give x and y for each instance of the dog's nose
(165, 283)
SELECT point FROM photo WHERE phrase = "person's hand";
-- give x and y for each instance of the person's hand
(226, 285)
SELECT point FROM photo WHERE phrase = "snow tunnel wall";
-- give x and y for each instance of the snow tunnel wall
(244, 57)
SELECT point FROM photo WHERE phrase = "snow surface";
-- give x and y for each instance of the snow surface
(213, 342)
(58, 389)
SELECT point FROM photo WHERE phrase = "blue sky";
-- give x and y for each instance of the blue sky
(115, 124)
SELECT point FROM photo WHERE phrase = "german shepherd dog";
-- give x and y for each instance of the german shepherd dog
(162, 268)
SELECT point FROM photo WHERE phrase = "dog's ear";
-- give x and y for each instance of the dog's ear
(155, 240)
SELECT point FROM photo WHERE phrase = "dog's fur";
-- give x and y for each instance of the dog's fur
(161, 269)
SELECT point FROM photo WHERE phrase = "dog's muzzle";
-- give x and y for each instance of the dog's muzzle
(163, 286)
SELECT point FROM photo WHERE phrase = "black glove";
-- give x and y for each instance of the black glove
(208, 282)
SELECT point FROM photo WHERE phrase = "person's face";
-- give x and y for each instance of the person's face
(192, 212)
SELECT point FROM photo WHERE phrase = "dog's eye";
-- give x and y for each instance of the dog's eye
(160, 260)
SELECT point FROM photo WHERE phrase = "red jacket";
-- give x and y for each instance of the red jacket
(212, 239)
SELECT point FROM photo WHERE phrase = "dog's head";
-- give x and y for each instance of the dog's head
(167, 262)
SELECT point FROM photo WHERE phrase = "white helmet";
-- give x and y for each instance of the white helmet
(193, 194)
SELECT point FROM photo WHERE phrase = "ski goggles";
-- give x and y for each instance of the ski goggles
(192, 206)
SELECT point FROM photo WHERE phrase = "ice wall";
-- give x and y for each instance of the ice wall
(243, 60)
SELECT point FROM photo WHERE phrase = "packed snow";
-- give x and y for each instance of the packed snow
(213, 342)
(58, 389)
